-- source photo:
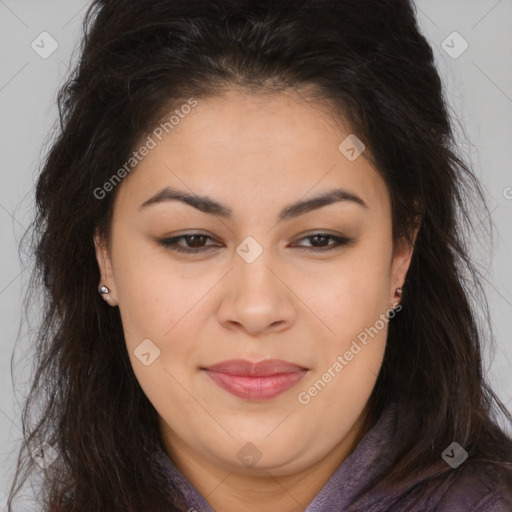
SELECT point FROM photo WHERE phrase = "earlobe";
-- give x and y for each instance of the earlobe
(402, 257)
(106, 286)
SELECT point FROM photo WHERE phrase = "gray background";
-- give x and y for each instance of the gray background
(479, 85)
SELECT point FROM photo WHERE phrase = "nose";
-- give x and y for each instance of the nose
(257, 299)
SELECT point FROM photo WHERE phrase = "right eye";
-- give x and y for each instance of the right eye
(195, 242)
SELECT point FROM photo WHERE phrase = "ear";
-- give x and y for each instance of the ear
(402, 256)
(105, 268)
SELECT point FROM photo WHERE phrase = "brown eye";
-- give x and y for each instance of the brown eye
(195, 243)
(319, 242)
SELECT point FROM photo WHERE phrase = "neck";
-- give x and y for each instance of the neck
(226, 490)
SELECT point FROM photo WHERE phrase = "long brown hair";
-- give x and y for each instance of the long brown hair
(138, 60)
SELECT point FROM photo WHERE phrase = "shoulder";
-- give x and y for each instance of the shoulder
(478, 488)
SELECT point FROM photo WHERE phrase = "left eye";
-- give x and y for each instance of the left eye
(196, 241)
(323, 237)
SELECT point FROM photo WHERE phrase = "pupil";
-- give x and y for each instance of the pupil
(196, 239)
(321, 237)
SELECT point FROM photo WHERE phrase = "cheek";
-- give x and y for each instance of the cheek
(153, 295)
(354, 292)
(157, 305)
(352, 301)
(349, 357)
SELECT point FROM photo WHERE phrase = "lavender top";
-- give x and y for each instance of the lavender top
(471, 491)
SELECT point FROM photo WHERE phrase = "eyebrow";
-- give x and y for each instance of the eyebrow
(207, 205)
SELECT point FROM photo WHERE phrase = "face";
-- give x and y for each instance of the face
(279, 249)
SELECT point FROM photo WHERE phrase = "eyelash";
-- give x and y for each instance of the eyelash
(171, 243)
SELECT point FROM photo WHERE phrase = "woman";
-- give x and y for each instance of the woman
(267, 198)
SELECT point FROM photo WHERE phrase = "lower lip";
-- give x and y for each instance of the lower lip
(256, 388)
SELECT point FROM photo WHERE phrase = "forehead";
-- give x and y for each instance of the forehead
(237, 145)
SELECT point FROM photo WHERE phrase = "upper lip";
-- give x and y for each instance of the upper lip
(261, 369)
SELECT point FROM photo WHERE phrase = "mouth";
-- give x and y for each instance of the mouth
(255, 381)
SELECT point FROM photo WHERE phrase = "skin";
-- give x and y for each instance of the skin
(256, 155)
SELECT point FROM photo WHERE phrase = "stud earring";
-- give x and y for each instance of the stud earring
(105, 290)
(398, 292)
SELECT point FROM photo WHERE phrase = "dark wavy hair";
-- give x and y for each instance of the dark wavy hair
(140, 59)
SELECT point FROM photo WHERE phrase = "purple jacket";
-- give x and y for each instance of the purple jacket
(472, 491)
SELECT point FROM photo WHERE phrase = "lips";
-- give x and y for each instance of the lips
(255, 381)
